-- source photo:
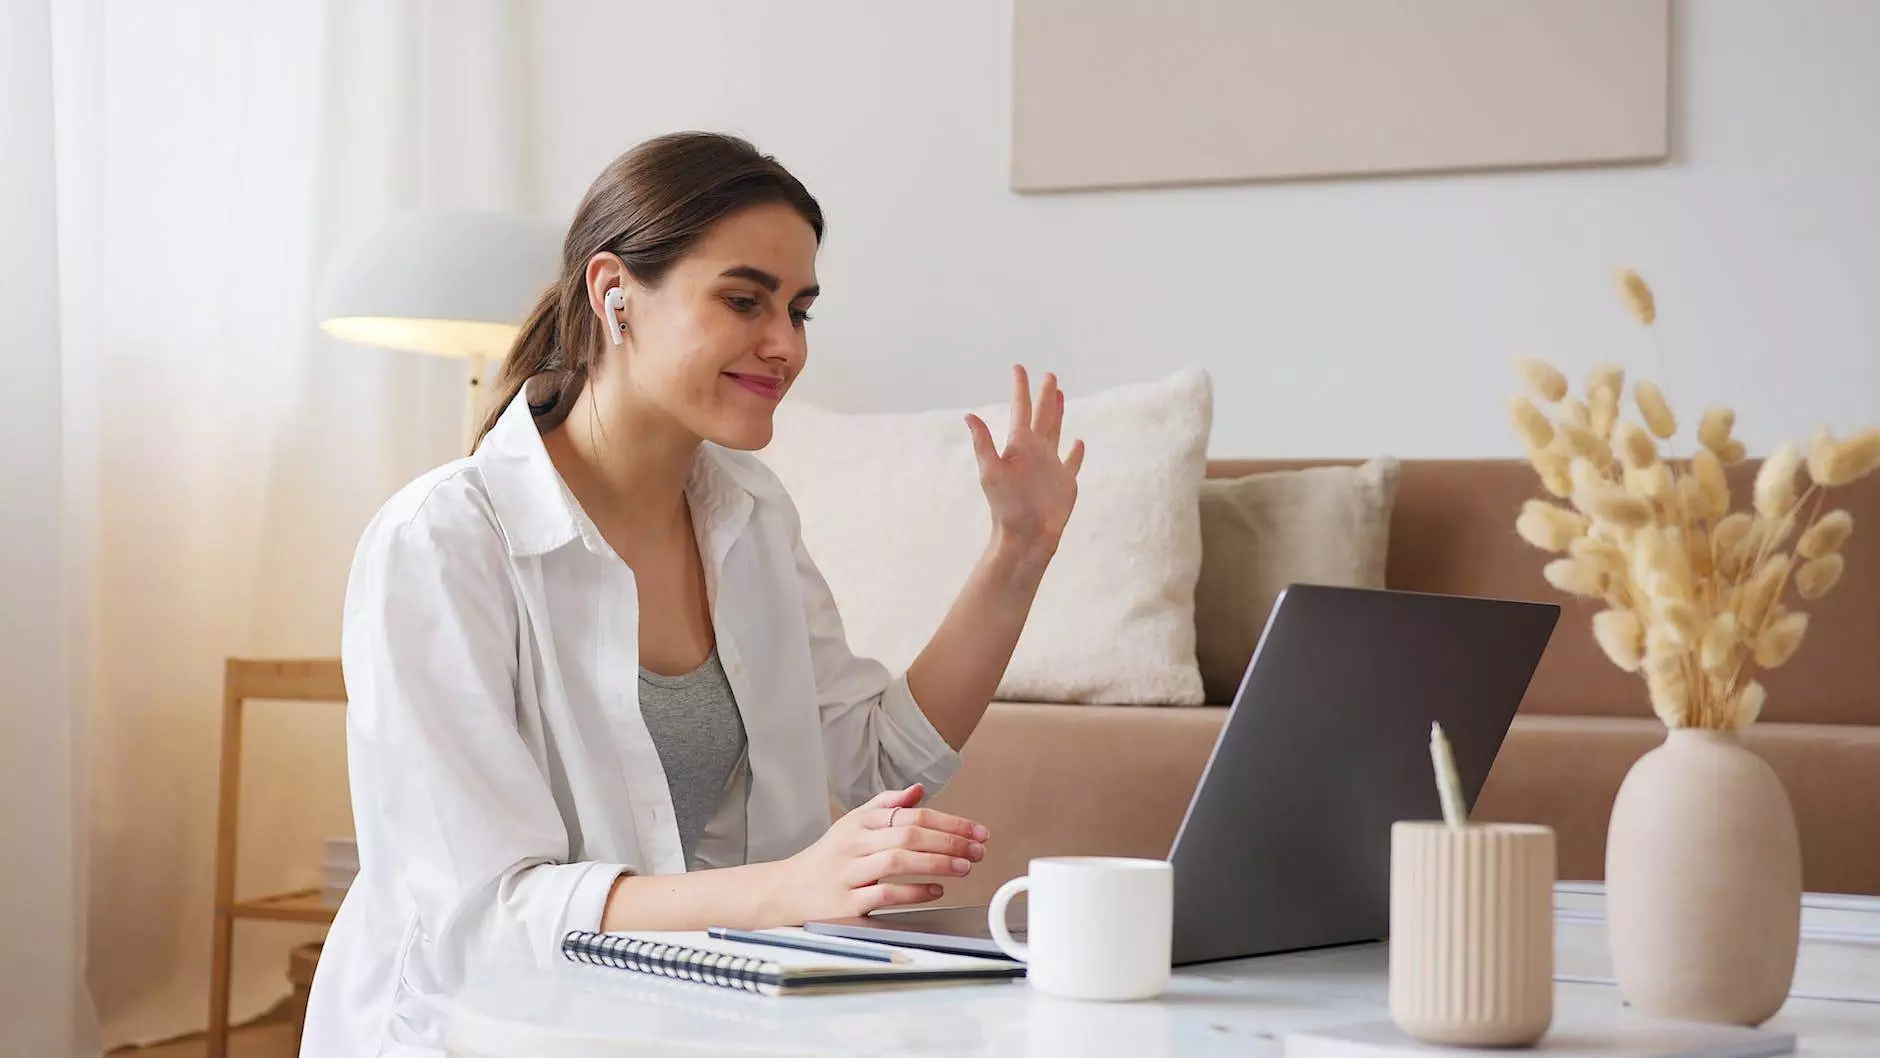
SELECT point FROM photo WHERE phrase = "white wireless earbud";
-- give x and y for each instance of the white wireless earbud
(616, 300)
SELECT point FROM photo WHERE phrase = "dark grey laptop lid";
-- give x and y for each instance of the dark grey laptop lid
(1286, 843)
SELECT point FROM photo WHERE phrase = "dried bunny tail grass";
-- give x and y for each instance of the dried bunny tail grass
(1603, 555)
(1542, 377)
(1754, 600)
(1620, 635)
(1780, 640)
(1612, 505)
(1713, 431)
(1726, 543)
(1588, 474)
(1654, 482)
(1818, 576)
(1821, 455)
(1697, 551)
(1771, 533)
(1714, 698)
(1636, 447)
(1638, 296)
(1826, 536)
(1713, 492)
(1775, 482)
(1662, 649)
(1552, 465)
(1602, 409)
(1654, 410)
(1530, 423)
(1573, 410)
(1606, 376)
(1575, 578)
(1853, 459)
(1732, 452)
(1549, 527)
(1659, 567)
(1719, 643)
(1585, 443)
(1688, 502)
(1683, 627)
(1747, 705)
(1670, 694)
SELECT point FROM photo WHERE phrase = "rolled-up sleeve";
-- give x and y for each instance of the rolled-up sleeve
(875, 736)
(458, 801)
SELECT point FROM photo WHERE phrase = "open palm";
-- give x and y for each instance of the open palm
(1029, 489)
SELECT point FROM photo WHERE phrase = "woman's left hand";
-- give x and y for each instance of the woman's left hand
(1029, 489)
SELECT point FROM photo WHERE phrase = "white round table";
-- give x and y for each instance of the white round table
(1242, 1009)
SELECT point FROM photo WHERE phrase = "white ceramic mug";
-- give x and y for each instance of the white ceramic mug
(1099, 926)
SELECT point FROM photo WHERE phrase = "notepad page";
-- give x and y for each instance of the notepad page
(794, 960)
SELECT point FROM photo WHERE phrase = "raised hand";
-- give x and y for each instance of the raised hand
(1029, 488)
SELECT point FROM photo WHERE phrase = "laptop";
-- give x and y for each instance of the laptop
(1286, 842)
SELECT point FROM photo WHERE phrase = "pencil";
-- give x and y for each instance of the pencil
(807, 943)
(1448, 787)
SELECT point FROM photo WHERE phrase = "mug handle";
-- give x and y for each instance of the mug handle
(995, 918)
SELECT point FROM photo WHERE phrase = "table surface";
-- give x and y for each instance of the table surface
(1242, 1008)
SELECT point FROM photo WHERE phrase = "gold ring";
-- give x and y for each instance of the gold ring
(891, 815)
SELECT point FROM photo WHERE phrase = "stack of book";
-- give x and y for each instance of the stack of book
(1839, 936)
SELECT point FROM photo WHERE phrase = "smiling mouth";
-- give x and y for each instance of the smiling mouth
(767, 386)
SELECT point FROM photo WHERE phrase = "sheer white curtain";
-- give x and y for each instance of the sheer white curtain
(43, 1007)
(212, 154)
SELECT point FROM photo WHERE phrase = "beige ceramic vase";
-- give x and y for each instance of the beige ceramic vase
(1703, 882)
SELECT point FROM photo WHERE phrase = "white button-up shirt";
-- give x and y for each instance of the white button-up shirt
(502, 774)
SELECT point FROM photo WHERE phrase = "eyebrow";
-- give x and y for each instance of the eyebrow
(767, 281)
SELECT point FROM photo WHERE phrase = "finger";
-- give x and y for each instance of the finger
(874, 897)
(885, 802)
(1021, 402)
(983, 449)
(920, 839)
(928, 819)
(1050, 416)
(905, 863)
(1075, 461)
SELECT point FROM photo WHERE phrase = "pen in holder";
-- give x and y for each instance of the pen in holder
(1471, 925)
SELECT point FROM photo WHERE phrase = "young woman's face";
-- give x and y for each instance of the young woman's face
(717, 344)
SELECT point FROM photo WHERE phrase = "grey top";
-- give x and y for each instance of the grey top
(696, 728)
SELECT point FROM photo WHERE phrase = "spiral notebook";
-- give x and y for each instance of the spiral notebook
(768, 970)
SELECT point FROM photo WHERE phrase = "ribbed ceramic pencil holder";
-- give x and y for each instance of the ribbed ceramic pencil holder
(1472, 933)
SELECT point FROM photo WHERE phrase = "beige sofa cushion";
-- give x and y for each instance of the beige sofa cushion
(1259, 533)
(894, 518)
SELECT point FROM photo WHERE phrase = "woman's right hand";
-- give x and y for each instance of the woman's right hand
(842, 874)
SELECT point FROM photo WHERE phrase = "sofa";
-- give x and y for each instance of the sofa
(1061, 779)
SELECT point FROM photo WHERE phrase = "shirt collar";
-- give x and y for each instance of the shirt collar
(537, 513)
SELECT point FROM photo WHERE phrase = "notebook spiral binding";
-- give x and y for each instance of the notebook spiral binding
(666, 960)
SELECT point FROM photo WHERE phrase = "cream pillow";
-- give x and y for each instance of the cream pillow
(893, 516)
(1259, 533)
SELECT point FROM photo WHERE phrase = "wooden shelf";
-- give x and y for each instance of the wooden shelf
(301, 905)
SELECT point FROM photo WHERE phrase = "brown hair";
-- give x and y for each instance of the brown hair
(649, 208)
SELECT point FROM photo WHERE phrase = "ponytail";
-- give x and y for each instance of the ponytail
(539, 352)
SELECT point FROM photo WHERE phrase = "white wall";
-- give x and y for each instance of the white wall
(1337, 318)
(40, 1005)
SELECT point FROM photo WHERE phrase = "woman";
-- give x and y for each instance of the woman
(595, 680)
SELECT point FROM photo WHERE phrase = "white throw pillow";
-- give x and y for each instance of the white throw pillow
(893, 516)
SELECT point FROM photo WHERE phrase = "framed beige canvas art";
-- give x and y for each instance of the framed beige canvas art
(1122, 93)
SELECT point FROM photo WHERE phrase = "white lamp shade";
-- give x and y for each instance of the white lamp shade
(449, 284)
